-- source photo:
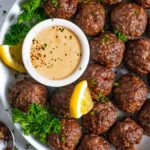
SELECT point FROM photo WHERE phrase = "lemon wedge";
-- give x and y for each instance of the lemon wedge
(12, 57)
(81, 102)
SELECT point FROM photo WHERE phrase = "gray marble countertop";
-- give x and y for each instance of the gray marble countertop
(21, 144)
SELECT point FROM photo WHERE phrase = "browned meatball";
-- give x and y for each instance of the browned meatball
(144, 3)
(107, 49)
(90, 17)
(130, 19)
(125, 134)
(69, 136)
(100, 118)
(26, 92)
(144, 118)
(93, 142)
(100, 79)
(61, 8)
(110, 2)
(60, 101)
(131, 93)
(137, 56)
(148, 27)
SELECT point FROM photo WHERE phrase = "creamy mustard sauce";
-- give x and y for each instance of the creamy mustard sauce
(55, 52)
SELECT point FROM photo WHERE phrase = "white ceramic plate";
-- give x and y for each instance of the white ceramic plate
(7, 78)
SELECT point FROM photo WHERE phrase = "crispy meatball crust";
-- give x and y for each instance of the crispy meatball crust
(100, 118)
(69, 136)
(65, 8)
(143, 3)
(90, 17)
(137, 56)
(60, 101)
(107, 49)
(100, 79)
(26, 92)
(130, 19)
(131, 93)
(144, 118)
(93, 142)
(125, 134)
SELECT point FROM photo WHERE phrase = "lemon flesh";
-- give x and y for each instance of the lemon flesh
(12, 57)
(81, 102)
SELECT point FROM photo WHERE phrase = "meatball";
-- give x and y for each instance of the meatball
(129, 19)
(69, 136)
(93, 142)
(60, 101)
(137, 56)
(61, 9)
(100, 118)
(125, 134)
(144, 3)
(26, 92)
(107, 49)
(148, 27)
(144, 118)
(100, 80)
(90, 17)
(131, 93)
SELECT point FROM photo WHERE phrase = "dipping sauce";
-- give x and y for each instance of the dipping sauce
(55, 52)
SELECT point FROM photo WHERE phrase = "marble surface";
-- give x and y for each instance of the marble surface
(21, 144)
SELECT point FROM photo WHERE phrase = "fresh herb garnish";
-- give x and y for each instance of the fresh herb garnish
(15, 148)
(100, 97)
(32, 14)
(37, 121)
(93, 82)
(100, 1)
(63, 139)
(116, 84)
(121, 36)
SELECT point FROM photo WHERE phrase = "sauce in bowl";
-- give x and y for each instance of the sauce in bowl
(55, 52)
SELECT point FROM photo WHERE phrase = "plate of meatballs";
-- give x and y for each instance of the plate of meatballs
(118, 77)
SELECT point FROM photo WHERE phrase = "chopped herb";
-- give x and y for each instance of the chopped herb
(100, 1)
(102, 98)
(136, 12)
(93, 82)
(105, 39)
(4, 12)
(80, 68)
(27, 146)
(121, 36)
(70, 37)
(37, 121)
(61, 29)
(15, 148)
(92, 113)
(116, 84)
(63, 139)
(55, 3)
(45, 45)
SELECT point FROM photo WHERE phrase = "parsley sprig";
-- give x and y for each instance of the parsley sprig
(37, 121)
(100, 97)
(121, 36)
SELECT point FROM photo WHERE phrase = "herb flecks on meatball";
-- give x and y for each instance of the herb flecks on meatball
(131, 93)
(26, 92)
(107, 49)
(69, 136)
(129, 19)
(100, 118)
(90, 17)
(100, 80)
(61, 8)
(125, 134)
(144, 117)
(93, 142)
(137, 56)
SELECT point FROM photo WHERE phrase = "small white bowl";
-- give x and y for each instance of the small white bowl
(27, 47)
